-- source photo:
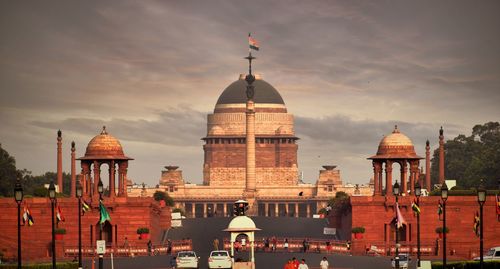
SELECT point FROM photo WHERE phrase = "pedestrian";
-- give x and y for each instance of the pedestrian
(173, 262)
(237, 246)
(266, 244)
(150, 247)
(216, 244)
(303, 265)
(274, 241)
(304, 245)
(285, 245)
(126, 246)
(324, 263)
(288, 264)
(295, 263)
(169, 247)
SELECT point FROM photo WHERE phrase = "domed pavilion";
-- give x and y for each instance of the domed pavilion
(104, 149)
(395, 148)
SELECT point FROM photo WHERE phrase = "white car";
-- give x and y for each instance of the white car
(219, 259)
(493, 254)
(404, 259)
(187, 259)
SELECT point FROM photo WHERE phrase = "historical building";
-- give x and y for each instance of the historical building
(250, 152)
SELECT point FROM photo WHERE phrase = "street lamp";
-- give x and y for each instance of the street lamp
(100, 189)
(444, 197)
(418, 192)
(481, 199)
(396, 192)
(79, 193)
(52, 196)
(18, 195)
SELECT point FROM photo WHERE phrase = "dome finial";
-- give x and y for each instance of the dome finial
(104, 130)
(395, 129)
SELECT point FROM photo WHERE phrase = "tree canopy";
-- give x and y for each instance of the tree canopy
(468, 159)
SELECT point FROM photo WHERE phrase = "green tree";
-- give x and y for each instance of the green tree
(161, 195)
(468, 159)
(8, 173)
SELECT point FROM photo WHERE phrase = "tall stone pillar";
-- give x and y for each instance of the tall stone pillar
(122, 175)
(376, 173)
(73, 170)
(404, 177)
(59, 162)
(266, 209)
(308, 208)
(112, 179)
(205, 210)
(441, 156)
(388, 178)
(413, 175)
(250, 187)
(97, 177)
(86, 178)
(296, 210)
(427, 166)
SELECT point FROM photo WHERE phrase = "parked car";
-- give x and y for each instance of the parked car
(187, 259)
(493, 254)
(219, 259)
(404, 260)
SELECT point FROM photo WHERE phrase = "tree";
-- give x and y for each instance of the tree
(468, 159)
(161, 195)
(8, 173)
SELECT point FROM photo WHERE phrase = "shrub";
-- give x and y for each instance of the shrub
(161, 195)
(143, 230)
(358, 230)
(440, 230)
(466, 265)
(60, 265)
(60, 231)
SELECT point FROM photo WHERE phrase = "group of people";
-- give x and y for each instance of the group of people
(294, 263)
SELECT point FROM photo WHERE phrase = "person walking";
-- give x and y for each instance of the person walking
(285, 245)
(303, 265)
(150, 247)
(324, 263)
(295, 263)
(173, 262)
(216, 244)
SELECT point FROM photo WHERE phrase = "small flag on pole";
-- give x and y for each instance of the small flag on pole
(254, 44)
(440, 208)
(477, 221)
(399, 217)
(415, 208)
(104, 213)
(85, 207)
(59, 214)
(27, 217)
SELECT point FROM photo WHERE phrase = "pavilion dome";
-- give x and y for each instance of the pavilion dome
(104, 146)
(396, 146)
(242, 223)
(235, 93)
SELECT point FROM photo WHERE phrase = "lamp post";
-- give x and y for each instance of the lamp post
(418, 192)
(79, 193)
(100, 189)
(18, 195)
(395, 190)
(444, 197)
(52, 196)
(481, 199)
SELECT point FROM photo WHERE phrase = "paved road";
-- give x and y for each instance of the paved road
(263, 261)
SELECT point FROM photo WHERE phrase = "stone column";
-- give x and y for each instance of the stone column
(296, 210)
(388, 177)
(404, 177)
(276, 210)
(427, 166)
(193, 210)
(250, 147)
(252, 253)
(413, 175)
(97, 176)
(308, 210)
(73, 170)
(59, 162)
(86, 178)
(122, 174)
(266, 209)
(376, 173)
(204, 210)
(225, 209)
(441, 156)
(112, 192)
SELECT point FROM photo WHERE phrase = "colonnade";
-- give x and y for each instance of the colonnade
(378, 169)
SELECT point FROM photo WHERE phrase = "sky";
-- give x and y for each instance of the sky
(152, 70)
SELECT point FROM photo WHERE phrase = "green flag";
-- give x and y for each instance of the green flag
(104, 213)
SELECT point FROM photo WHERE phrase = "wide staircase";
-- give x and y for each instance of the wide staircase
(202, 231)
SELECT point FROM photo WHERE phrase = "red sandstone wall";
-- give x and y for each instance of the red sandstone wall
(127, 213)
(375, 211)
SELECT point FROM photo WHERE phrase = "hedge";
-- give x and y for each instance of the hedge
(62, 265)
(467, 265)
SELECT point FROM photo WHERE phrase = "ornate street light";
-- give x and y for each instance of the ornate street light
(18, 195)
(52, 196)
(418, 192)
(396, 192)
(481, 199)
(100, 189)
(444, 197)
(79, 193)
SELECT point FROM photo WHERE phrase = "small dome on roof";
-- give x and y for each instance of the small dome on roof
(104, 146)
(396, 146)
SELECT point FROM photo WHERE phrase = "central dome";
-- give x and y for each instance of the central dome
(236, 93)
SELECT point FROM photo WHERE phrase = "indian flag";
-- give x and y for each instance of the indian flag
(254, 44)
(104, 213)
